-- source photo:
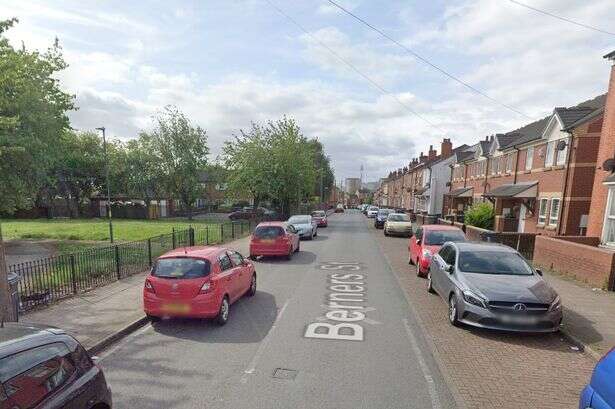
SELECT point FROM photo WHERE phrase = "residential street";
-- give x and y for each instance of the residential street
(195, 364)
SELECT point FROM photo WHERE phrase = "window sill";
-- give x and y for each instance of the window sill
(548, 168)
(526, 171)
(540, 225)
(557, 167)
(551, 227)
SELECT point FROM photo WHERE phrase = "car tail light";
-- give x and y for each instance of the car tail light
(149, 287)
(207, 287)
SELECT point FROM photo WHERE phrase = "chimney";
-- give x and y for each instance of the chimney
(487, 138)
(432, 153)
(491, 138)
(446, 148)
(422, 158)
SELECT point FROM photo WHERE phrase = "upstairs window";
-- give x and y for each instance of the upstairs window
(550, 154)
(529, 158)
(542, 211)
(509, 163)
(561, 155)
(554, 213)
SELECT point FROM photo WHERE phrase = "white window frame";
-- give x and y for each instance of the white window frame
(550, 152)
(561, 154)
(553, 220)
(608, 218)
(542, 218)
(509, 163)
(529, 158)
(495, 166)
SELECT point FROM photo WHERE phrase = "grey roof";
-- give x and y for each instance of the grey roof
(505, 139)
(571, 115)
(610, 56)
(485, 146)
(464, 155)
(535, 129)
(584, 119)
(509, 190)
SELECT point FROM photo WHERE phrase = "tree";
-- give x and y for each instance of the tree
(181, 150)
(274, 162)
(324, 177)
(143, 170)
(32, 117)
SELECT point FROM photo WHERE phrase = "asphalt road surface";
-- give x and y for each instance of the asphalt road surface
(329, 329)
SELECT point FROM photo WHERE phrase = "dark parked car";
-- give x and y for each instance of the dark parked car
(381, 217)
(46, 367)
(251, 213)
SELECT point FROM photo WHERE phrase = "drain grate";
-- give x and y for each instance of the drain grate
(282, 373)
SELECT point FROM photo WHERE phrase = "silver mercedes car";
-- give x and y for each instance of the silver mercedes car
(305, 225)
(492, 286)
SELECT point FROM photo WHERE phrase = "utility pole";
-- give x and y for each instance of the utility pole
(108, 184)
(6, 310)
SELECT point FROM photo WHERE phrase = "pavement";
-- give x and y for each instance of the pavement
(274, 352)
(266, 356)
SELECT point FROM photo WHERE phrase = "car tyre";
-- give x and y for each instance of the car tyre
(453, 314)
(430, 289)
(222, 317)
(298, 247)
(252, 289)
(290, 253)
(153, 318)
(386, 233)
(316, 233)
(252, 257)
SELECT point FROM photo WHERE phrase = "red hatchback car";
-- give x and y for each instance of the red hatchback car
(197, 282)
(427, 241)
(320, 216)
(274, 239)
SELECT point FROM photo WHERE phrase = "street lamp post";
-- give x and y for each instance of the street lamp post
(102, 128)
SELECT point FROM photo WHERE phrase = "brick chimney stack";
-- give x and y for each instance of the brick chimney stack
(432, 153)
(422, 158)
(606, 150)
(446, 148)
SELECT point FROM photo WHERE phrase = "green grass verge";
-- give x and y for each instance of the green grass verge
(93, 229)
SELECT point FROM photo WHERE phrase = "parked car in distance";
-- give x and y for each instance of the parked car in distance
(305, 225)
(339, 208)
(44, 367)
(381, 217)
(197, 282)
(320, 216)
(398, 224)
(274, 239)
(492, 286)
(426, 242)
(251, 213)
(372, 211)
(600, 393)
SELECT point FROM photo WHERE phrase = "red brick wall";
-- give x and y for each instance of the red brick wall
(593, 265)
(605, 151)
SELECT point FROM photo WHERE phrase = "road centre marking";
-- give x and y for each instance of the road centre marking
(344, 304)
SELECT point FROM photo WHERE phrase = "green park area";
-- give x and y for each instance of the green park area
(94, 230)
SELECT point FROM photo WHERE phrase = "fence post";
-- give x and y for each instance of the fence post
(222, 232)
(191, 236)
(72, 273)
(117, 262)
(173, 234)
(232, 231)
(207, 234)
(149, 251)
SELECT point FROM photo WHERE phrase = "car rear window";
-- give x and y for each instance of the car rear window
(181, 267)
(398, 218)
(493, 262)
(268, 232)
(318, 214)
(439, 237)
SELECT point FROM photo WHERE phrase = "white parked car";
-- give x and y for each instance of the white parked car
(372, 211)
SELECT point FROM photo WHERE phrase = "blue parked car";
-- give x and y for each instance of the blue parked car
(600, 393)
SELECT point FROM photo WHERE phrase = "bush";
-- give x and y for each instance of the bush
(480, 215)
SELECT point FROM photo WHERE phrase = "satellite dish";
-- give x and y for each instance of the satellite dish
(609, 165)
(561, 145)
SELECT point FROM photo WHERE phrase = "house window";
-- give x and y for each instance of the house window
(554, 213)
(529, 158)
(542, 211)
(495, 166)
(509, 163)
(608, 230)
(561, 155)
(550, 154)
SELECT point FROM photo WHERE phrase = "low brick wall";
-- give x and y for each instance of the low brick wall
(569, 255)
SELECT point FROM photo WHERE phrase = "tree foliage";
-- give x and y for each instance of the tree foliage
(32, 117)
(480, 215)
(181, 151)
(276, 162)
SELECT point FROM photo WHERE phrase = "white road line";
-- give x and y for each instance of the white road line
(261, 348)
(431, 385)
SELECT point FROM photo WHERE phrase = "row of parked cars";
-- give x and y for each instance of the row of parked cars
(490, 286)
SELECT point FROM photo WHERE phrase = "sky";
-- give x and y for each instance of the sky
(227, 63)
